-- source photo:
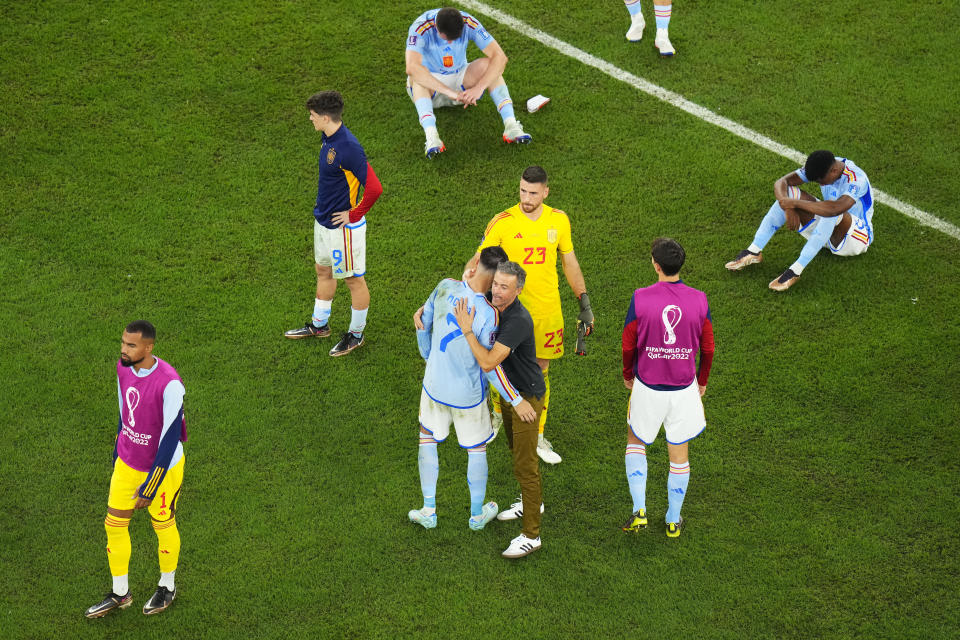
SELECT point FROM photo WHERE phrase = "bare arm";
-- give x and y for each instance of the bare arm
(824, 208)
(780, 186)
(780, 192)
(422, 76)
(497, 62)
(571, 269)
(487, 359)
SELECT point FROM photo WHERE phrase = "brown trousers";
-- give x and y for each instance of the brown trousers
(522, 438)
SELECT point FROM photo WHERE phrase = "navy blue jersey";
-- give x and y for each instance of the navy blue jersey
(343, 170)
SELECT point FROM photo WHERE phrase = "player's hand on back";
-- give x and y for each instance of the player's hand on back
(463, 315)
(418, 319)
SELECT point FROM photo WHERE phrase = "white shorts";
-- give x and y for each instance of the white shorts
(856, 241)
(680, 412)
(450, 80)
(472, 425)
(344, 250)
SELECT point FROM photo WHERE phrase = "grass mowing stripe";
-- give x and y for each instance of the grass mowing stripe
(924, 218)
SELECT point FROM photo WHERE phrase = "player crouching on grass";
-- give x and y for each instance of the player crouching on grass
(438, 74)
(843, 221)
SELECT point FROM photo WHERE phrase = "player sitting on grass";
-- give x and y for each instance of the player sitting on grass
(438, 74)
(843, 221)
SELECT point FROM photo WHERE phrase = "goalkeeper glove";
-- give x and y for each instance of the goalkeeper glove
(584, 323)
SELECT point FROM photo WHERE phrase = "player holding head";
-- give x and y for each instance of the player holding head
(454, 387)
(662, 9)
(667, 323)
(842, 221)
(438, 74)
(533, 234)
(148, 466)
(339, 228)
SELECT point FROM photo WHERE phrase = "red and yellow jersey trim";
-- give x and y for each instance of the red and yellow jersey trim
(347, 249)
(512, 393)
(353, 184)
(425, 26)
(471, 22)
(503, 215)
(849, 174)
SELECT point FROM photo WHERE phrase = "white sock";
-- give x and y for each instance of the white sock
(797, 268)
(321, 311)
(508, 121)
(358, 320)
(120, 585)
(166, 580)
(753, 248)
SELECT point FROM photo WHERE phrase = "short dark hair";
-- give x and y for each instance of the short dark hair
(491, 257)
(534, 174)
(818, 164)
(668, 253)
(449, 23)
(326, 103)
(513, 269)
(142, 327)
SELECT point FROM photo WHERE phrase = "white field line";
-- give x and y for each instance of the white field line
(694, 109)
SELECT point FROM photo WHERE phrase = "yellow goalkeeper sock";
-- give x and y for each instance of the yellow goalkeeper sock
(118, 544)
(495, 398)
(168, 549)
(546, 400)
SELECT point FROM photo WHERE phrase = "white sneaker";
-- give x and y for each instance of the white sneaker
(521, 546)
(434, 144)
(515, 511)
(487, 514)
(637, 23)
(514, 132)
(424, 520)
(662, 43)
(546, 452)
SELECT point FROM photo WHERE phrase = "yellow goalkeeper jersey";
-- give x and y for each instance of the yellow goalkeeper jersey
(534, 244)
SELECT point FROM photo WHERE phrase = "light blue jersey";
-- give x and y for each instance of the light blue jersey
(439, 56)
(852, 182)
(453, 376)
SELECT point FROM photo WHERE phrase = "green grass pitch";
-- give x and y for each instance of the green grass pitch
(158, 162)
